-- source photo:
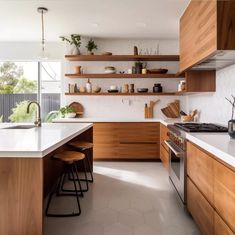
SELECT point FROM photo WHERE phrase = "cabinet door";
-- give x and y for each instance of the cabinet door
(200, 170)
(220, 227)
(138, 140)
(163, 136)
(105, 140)
(200, 209)
(224, 193)
(164, 156)
(198, 32)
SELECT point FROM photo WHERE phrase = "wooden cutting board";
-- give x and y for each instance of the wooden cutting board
(79, 109)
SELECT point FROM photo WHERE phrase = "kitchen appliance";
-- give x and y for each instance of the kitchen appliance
(177, 151)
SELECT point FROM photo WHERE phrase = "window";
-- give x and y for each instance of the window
(28, 81)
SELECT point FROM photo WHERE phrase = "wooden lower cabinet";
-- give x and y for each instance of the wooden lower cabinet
(126, 141)
(164, 150)
(210, 192)
(224, 193)
(200, 170)
(220, 227)
(200, 209)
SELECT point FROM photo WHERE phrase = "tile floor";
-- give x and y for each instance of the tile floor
(127, 198)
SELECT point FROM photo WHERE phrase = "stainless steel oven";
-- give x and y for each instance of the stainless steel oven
(177, 167)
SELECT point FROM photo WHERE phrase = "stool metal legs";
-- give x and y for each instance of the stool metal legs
(73, 170)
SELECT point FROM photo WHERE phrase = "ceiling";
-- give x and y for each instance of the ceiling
(147, 19)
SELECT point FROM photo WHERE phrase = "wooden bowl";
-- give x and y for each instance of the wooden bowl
(187, 118)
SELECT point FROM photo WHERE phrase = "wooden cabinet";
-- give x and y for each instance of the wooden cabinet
(224, 193)
(200, 81)
(200, 170)
(164, 150)
(220, 227)
(206, 27)
(210, 187)
(200, 209)
(126, 140)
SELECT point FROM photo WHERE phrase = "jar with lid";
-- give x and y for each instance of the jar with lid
(157, 88)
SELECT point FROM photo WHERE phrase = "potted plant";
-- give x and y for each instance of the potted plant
(67, 112)
(74, 40)
(91, 46)
(231, 122)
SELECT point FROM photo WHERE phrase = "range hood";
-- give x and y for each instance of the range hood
(216, 61)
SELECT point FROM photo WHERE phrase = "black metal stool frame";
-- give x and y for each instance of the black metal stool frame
(70, 168)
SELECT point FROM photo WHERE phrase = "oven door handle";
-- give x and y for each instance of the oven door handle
(173, 149)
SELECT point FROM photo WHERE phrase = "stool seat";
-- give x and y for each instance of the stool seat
(81, 144)
(70, 156)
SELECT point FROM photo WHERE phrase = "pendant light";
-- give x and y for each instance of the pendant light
(43, 55)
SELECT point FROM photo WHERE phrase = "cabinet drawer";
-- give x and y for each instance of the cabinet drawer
(221, 228)
(164, 156)
(200, 209)
(138, 132)
(224, 193)
(138, 151)
(200, 170)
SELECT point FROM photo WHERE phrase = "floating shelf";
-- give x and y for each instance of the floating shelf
(122, 57)
(117, 75)
(125, 94)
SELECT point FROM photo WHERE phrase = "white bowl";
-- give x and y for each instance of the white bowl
(113, 87)
(70, 115)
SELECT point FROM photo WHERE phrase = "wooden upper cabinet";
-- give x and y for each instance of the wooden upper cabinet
(206, 27)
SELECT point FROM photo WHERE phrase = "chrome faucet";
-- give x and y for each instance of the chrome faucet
(37, 121)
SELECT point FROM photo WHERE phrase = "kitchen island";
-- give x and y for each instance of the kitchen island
(27, 171)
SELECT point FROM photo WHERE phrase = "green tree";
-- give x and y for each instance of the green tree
(10, 74)
(25, 86)
(19, 113)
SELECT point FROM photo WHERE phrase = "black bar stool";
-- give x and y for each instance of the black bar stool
(69, 158)
(83, 146)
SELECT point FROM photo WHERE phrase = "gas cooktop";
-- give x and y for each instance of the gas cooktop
(201, 127)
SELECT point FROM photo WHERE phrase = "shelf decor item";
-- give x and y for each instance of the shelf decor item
(231, 122)
(91, 46)
(74, 40)
(67, 112)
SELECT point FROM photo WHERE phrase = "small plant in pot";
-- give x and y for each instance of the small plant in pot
(74, 40)
(231, 123)
(67, 112)
(91, 46)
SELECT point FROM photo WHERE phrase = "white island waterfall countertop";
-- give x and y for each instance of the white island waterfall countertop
(37, 141)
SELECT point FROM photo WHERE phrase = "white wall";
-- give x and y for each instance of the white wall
(24, 51)
(213, 107)
(124, 106)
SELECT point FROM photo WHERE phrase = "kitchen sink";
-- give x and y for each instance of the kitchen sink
(20, 127)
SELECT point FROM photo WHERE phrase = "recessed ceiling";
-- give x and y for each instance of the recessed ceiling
(148, 19)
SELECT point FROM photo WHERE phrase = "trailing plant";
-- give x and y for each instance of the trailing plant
(91, 45)
(232, 102)
(75, 39)
(65, 110)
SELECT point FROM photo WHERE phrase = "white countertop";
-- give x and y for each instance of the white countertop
(114, 119)
(218, 144)
(38, 141)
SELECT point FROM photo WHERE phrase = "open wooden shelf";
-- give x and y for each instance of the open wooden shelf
(117, 75)
(125, 94)
(122, 57)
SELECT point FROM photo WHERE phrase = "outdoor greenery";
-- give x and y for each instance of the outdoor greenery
(19, 113)
(1, 118)
(12, 80)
